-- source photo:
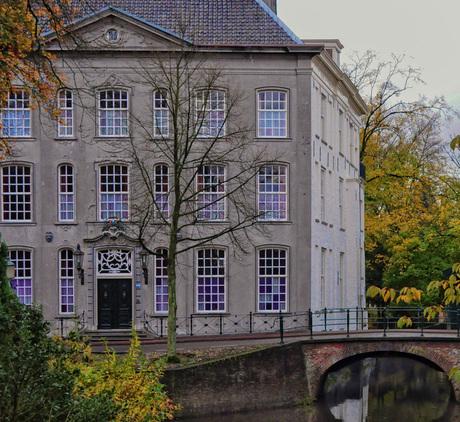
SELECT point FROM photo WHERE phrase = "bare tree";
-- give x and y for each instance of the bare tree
(195, 164)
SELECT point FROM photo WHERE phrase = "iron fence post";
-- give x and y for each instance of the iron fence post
(281, 328)
(420, 315)
(357, 318)
(161, 327)
(191, 324)
(348, 322)
(325, 319)
(310, 323)
(220, 324)
(458, 322)
(250, 322)
(384, 322)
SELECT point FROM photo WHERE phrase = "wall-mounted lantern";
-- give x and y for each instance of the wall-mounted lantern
(144, 263)
(11, 271)
(79, 264)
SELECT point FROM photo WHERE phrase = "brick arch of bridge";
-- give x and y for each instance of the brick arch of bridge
(320, 357)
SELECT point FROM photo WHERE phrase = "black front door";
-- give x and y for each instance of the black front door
(114, 303)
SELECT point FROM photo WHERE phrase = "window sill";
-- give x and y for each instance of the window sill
(66, 223)
(18, 223)
(282, 222)
(273, 139)
(111, 138)
(65, 139)
(20, 138)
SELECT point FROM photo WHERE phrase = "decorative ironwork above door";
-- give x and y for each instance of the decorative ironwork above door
(114, 261)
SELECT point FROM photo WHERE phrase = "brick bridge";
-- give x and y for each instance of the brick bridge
(321, 355)
(285, 374)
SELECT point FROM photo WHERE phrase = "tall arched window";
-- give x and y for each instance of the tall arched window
(66, 193)
(272, 280)
(272, 114)
(66, 282)
(161, 281)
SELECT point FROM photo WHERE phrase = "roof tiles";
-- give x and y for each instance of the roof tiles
(206, 22)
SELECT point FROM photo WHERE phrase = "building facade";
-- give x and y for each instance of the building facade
(69, 192)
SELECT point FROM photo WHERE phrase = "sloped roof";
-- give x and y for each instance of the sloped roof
(206, 22)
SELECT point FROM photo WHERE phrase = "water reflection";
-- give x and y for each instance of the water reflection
(385, 388)
(390, 388)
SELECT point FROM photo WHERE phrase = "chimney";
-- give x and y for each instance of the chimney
(271, 4)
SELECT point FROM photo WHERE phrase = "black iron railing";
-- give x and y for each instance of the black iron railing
(344, 320)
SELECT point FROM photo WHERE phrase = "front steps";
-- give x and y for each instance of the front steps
(110, 336)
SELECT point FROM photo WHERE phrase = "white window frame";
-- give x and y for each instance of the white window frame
(113, 113)
(272, 278)
(341, 208)
(211, 113)
(161, 299)
(160, 114)
(161, 191)
(273, 193)
(23, 279)
(323, 117)
(118, 208)
(323, 277)
(13, 192)
(66, 282)
(211, 280)
(66, 193)
(16, 115)
(66, 117)
(272, 113)
(211, 195)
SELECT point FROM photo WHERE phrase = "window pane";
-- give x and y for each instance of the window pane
(272, 114)
(211, 192)
(66, 193)
(65, 121)
(22, 282)
(66, 282)
(211, 113)
(16, 193)
(114, 192)
(161, 187)
(272, 280)
(161, 281)
(160, 114)
(113, 113)
(272, 193)
(16, 115)
(211, 280)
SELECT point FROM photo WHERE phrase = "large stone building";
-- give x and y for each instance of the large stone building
(70, 181)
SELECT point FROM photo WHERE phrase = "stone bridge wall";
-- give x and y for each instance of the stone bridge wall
(282, 375)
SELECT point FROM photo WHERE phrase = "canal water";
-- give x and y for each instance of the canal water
(377, 389)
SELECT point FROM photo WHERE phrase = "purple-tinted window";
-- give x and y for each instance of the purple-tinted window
(211, 283)
(22, 282)
(272, 285)
(161, 281)
(66, 282)
(272, 189)
(16, 193)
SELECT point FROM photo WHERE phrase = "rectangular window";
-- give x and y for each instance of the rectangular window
(272, 280)
(211, 280)
(210, 107)
(272, 193)
(323, 194)
(16, 193)
(66, 193)
(341, 203)
(272, 114)
(323, 277)
(341, 274)
(114, 192)
(161, 281)
(161, 191)
(211, 192)
(22, 282)
(66, 282)
(160, 114)
(65, 121)
(113, 113)
(16, 115)
(341, 134)
(323, 117)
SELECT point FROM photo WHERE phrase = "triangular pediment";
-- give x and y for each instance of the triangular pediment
(113, 29)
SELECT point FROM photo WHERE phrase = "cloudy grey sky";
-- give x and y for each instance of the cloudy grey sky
(425, 31)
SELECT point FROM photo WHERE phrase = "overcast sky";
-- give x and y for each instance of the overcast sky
(426, 31)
